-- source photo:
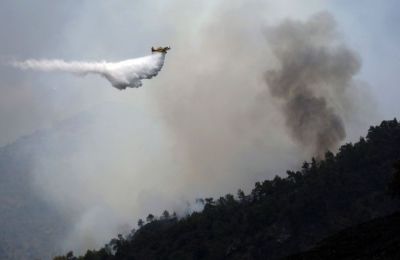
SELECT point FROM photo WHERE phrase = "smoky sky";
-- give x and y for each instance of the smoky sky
(198, 129)
(315, 69)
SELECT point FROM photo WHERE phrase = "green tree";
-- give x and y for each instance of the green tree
(165, 214)
(209, 201)
(241, 195)
(150, 218)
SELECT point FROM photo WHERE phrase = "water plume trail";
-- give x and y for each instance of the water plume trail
(122, 74)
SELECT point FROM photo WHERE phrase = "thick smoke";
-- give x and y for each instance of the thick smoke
(123, 74)
(315, 71)
(204, 131)
(224, 137)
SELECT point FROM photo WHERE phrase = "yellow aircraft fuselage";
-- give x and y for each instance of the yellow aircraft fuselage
(160, 49)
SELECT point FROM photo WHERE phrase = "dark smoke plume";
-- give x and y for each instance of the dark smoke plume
(315, 70)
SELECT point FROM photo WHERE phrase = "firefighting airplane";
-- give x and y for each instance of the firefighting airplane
(160, 49)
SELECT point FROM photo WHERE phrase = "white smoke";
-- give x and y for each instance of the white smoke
(122, 74)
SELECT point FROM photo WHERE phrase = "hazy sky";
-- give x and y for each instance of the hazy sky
(370, 28)
(196, 129)
(115, 30)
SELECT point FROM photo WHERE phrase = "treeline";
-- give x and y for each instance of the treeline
(279, 217)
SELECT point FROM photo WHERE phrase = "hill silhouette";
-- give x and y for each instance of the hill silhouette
(279, 217)
(376, 239)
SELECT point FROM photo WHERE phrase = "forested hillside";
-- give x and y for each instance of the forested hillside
(279, 217)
